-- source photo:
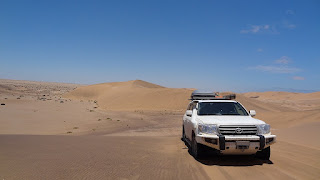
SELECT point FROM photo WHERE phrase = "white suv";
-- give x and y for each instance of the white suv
(225, 125)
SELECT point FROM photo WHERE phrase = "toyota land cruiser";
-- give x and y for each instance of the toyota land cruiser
(221, 123)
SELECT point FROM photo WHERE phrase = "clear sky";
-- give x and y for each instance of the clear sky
(235, 45)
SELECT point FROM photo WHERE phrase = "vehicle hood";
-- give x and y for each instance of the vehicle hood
(229, 120)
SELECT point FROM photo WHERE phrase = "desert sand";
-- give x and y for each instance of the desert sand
(131, 130)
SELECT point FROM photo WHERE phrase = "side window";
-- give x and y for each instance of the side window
(189, 107)
(194, 105)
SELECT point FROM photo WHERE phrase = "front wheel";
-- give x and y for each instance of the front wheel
(264, 154)
(196, 149)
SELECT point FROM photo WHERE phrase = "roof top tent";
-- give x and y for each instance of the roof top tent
(209, 95)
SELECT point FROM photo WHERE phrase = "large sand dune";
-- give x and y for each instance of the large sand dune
(133, 95)
(132, 131)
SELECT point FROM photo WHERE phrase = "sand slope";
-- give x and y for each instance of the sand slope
(133, 95)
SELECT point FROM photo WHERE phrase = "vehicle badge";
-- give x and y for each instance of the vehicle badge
(238, 131)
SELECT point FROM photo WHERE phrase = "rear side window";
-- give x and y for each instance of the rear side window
(189, 106)
(192, 106)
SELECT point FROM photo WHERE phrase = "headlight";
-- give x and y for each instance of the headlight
(263, 129)
(208, 128)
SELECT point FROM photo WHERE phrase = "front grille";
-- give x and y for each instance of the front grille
(238, 129)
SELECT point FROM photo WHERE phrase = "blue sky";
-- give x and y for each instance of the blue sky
(221, 45)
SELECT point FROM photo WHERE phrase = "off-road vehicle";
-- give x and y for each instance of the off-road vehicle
(221, 123)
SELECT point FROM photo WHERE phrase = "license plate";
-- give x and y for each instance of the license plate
(242, 144)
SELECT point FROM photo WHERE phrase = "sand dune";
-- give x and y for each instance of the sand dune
(141, 95)
(133, 95)
(278, 95)
(296, 101)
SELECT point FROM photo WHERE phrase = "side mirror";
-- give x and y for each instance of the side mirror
(189, 113)
(252, 112)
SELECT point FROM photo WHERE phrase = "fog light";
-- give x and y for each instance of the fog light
(269, 140)
(212, 141)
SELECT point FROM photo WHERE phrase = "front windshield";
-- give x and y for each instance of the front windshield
(221, 108)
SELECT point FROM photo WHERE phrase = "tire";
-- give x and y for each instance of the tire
(183, 137)
(264, 154)
(196, 148)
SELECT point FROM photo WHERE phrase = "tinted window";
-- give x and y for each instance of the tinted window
(221, 108)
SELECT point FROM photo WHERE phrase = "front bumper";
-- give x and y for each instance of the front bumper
(244, 144)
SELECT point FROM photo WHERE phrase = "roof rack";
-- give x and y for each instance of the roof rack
(206, 95)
